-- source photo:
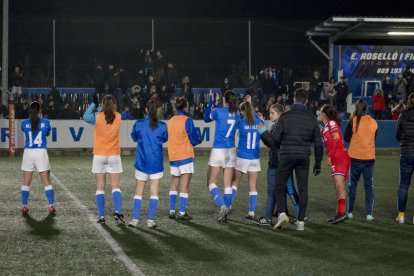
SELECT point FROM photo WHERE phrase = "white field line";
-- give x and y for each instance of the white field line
(130, 265)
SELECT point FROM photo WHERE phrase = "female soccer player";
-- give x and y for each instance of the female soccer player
(360, 133)
(338, 158)
(248, 152)
(275, 111)
(405, 135)
(223, 154)
(182, 139)
(149, 134)
(106, 150)
(35, 157)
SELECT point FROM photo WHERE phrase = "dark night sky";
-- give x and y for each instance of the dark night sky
(205, 39)
(276, 9)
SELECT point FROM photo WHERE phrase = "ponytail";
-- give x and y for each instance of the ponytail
(231, 101)
(34, 115)
(360, 108)
(152, 109)
(247, 110)
(410, 102)
(181, 103)
(108, 108)
(331, 113)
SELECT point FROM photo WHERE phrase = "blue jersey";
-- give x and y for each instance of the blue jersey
(249, 139)
(226, 125)
(36, 139)
(149, 156)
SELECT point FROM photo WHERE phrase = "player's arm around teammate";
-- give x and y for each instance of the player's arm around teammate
(149, 134)
(35, 157)
(183, 136)
(248, 153)
(338, 158)
(360, 133)
(107, 158)
(223, 154)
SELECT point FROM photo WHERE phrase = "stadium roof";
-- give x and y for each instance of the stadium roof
(340, 27)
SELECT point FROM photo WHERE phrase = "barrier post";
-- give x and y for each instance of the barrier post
(12, 128)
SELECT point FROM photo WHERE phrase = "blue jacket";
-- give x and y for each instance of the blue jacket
(149, 156)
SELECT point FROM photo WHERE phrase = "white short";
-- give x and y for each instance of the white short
(107, 164)
(144, 176)
(246, 165)
(35, 160)
(225, 158)
(183, 169)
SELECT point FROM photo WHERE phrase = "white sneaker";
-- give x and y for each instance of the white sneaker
(400, 219)
(300, 225)
(133, 223)
(370, 218)
(151, 224)
(281, 220)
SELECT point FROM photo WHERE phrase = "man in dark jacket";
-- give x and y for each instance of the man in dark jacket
(343, 91)
(296, 131)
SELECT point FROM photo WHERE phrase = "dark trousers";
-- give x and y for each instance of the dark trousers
(366, 168)
(288, 163)
(406, 172)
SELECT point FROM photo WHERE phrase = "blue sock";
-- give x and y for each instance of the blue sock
(215, 193)
(25, 194)
(173, 200)
(50, 194)
(228, 194)
(252, 202)
(100, 203)
(153, 205)
(234, 193)
(137, 203)
(117, 199)
(183, 202)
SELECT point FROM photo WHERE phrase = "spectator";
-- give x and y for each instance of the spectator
(140, 78)
(171, 78)
(330, 91)
(408, 75)
(342, 93)
(388, 88)
(3, 114)
(187, 92)
(43, 105)
(159, 68)
(269, 104)
(70, 109)
(397, 109)
(16, 81)
(199, 111)
(148, 62)
(22, 110)
(400, 85)
(112, 79)
(226, 85)
(150, 84)
(124, 84)
(55, 96)
(315, 88)
(98, 79)
(379, 104)
(268, 85)
(252, 86)
(52, 112)
(164, 98)
(126, 114)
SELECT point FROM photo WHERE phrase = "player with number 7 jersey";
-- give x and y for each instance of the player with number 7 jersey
(223, 154)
